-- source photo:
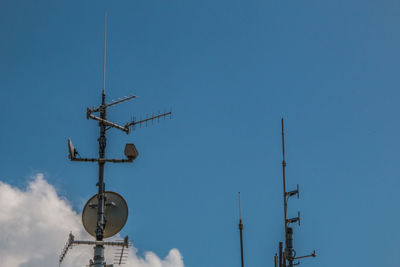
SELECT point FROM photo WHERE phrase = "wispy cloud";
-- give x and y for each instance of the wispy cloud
(34, 226)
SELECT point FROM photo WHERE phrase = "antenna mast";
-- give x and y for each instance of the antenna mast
(287, 255)
(106, 228)
(241, 230)
(98, 259)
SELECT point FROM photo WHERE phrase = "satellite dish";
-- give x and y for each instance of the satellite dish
(71, 149)
(115, 213)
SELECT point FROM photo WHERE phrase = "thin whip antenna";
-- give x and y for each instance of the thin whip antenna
(240, 208)
(241, 231)
(283, 140)
(104, 56)
(284, 177)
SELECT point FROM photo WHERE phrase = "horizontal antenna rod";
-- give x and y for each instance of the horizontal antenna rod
(109, 123)
(103, 160)
(101, 243)
(314, 254)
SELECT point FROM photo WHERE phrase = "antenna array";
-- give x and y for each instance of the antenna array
(108, 204)
(72, 242)
(287, 255)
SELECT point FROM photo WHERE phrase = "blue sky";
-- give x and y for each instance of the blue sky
(230, 70)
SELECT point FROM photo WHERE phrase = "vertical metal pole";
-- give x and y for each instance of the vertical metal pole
(289, 246)
(241, 242)
(284, 183)
(241, 234)
(280, 254)
(99, 249)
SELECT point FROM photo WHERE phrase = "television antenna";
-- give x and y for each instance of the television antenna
(287, 255)
(106, 212)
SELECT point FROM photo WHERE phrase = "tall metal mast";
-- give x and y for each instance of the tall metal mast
(98, 258)
(284, 181)
(287, 255)
(130, 153)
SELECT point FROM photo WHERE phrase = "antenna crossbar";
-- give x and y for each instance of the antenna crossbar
(314, 254)
(103, 160)
(101, 243)
(109, 123)
(125, 128)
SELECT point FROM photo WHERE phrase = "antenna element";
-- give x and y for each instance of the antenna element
(104, 55)
(287, 255)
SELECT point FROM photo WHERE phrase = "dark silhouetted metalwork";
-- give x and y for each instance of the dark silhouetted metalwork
(287, 255)
(130, 153)
(241, 232)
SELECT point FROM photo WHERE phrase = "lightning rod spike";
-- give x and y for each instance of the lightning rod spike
(104, 57)
(240, 208)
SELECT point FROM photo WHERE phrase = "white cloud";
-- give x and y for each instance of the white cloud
(34, 226)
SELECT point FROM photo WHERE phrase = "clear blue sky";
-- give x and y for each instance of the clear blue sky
(230, 70)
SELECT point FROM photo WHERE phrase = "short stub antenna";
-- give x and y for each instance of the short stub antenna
(105, 214)
(287, 255)
(241, 232)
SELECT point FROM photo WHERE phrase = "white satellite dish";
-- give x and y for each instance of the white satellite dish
(115, 213)
(71, 149)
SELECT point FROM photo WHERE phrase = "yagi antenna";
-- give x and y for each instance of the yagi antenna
(72, 242)
(133, 123)
(121, 255)
(287, 255)
(106, 212)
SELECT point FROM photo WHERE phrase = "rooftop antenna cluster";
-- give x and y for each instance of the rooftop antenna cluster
(106, 213)
(287, 255)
